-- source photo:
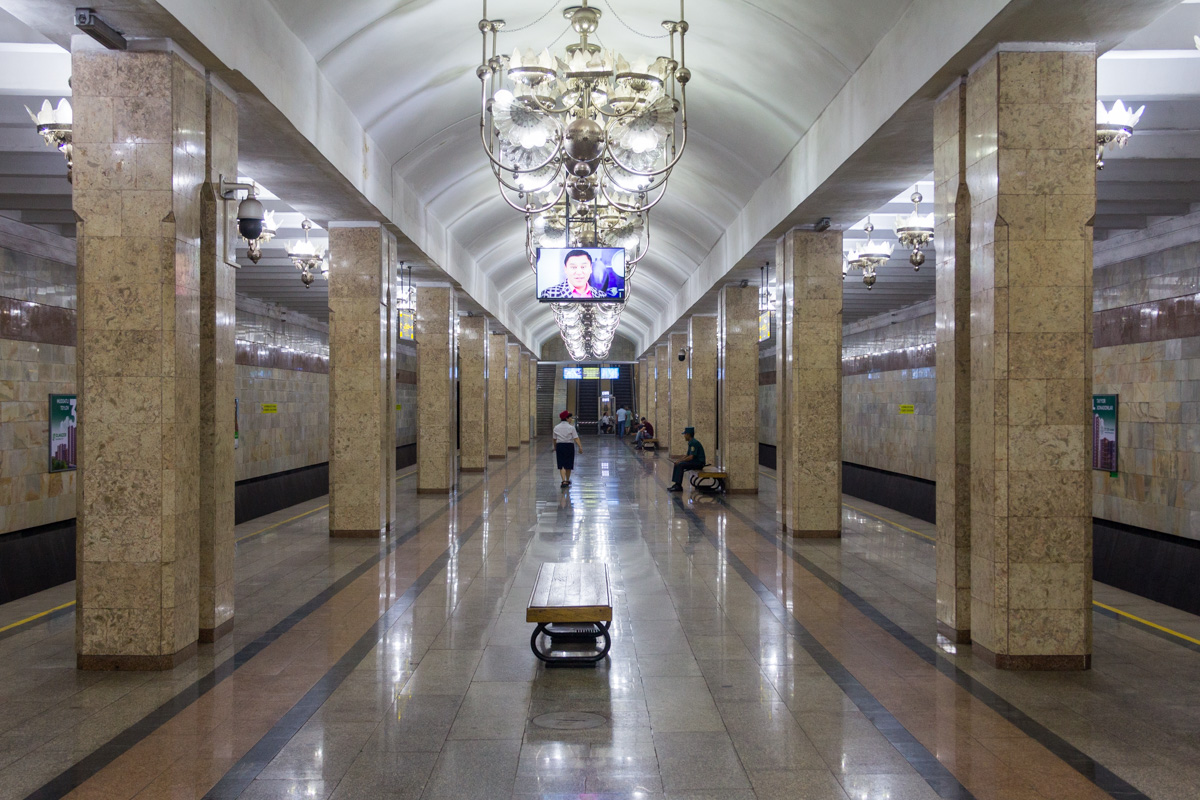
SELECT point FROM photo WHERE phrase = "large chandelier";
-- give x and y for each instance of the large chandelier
(868, 256)
(308, 256)
(582, 144)
(1114, 126)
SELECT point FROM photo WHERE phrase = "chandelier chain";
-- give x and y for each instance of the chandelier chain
(553, 6)
(629, 27)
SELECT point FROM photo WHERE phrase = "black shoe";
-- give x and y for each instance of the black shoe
(674, 487)
(565, 484)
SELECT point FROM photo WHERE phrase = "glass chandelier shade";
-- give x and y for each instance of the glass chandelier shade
(1114, 126)
(308, 256)
(54, 123)
(868, 256)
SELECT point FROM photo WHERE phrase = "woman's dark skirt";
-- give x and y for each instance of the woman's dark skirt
(565, 452)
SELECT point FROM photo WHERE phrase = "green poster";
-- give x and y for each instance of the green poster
(62, 432)
(1104, 432)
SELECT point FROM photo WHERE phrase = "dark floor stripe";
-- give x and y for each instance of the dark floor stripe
(250, 766)
(1085, 765)
(75, 775)
(940, 779)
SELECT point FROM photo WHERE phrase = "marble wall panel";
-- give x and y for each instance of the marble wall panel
(531, 389)
(472, 363)
(737, 378)
(702, 378)
(679, 394)
(296, 432)
(497, 366)
(362, 380)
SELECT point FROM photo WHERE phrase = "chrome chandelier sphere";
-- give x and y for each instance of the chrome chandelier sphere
(582, 144)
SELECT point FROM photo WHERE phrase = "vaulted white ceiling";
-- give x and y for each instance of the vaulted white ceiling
(762, 73)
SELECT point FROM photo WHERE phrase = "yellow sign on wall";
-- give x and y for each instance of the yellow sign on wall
(270, 408)
(907, 408)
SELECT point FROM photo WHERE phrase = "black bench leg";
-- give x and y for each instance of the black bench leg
(579, 632)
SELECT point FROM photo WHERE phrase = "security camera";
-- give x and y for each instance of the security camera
(250, 218)
(682, 354)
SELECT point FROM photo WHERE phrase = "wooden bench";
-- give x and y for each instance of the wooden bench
(649, 444)
(572, 605)
(709, 479)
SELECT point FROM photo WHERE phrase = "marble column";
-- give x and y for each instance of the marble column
(678, 397)
(1031, 172)
(139, 137)
(523, 399)
(702, 376)
(662, 396)
(646, 366)
(952, 214)
(532, 388)
(737, 385)
(513, 378)
(497, 401)
(437, 389)
(473, 383)
(362, 380)
(809, 383)
(218, 376)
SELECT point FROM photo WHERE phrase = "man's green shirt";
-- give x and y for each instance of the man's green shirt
(695, 452)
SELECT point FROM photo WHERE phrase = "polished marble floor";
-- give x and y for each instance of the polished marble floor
(742, 666)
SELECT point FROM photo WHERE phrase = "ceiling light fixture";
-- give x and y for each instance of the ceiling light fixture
(1114, 126)
(868, 256)
(583, 144)
(308, 256)
(54, 124)
(915, 231)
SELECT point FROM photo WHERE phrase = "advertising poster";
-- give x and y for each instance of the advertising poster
(1104, 432)
(62, 432)
(764, 326)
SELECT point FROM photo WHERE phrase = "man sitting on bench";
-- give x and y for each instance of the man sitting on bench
(645, 432)
(693, 459)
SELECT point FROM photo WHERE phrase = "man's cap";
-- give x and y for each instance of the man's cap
(689, 431)
(564, 415)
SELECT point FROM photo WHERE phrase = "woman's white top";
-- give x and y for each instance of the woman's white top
(564, 432)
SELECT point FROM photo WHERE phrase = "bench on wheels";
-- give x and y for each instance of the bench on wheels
(649, 444)
(572, 605)
(709, 479)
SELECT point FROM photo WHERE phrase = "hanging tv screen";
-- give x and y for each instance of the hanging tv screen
(610, 373)
(572, 373)
(581, 274)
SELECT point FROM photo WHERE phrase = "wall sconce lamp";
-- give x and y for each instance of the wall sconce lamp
(54, 124)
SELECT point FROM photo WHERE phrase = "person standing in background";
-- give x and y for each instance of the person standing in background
(566, 440)
(622, 419)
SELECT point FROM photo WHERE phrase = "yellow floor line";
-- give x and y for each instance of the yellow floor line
(889, 522)
(1097, 603)
(1154, 625)
(36, 616)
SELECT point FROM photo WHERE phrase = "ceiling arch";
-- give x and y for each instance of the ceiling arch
(763, 72)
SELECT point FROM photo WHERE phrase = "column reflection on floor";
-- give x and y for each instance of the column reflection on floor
(742, 666)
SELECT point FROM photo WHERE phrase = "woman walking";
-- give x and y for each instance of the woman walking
(566, 440)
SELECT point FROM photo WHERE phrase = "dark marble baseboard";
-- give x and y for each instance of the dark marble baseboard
(102, 663)
(913, 496)
(36, 559)
(1157, 566)
(266, 494)
(1066, 663)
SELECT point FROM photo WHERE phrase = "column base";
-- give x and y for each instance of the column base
(804, 534)
(741, 491)
(100, 663)
(357, 533)
(954, 634)
(1033, 663)
(437, 491)
(498, 458)
(210, 635)
(514, 447)
(472, 469)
